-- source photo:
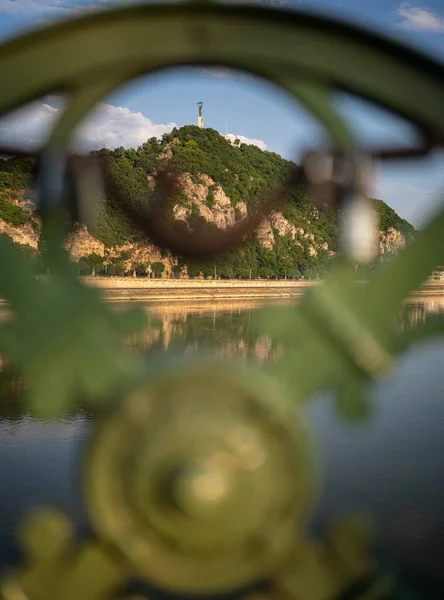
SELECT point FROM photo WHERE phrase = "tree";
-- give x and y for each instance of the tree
(96, 262)
(157, 268)
(116, 267)
(177, 269)
(83, 266)
(141, 268)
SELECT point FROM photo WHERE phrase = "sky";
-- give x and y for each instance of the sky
(241, 105)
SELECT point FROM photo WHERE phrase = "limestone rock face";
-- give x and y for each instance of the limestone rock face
(165, 156)
(391, 241)
(151, 182)
(282, 226)
(167, 153)
(143, 253)
(211, 203)
(81, 243)
(181, 213)
(25, 234)
(265, 234)
(222, 214)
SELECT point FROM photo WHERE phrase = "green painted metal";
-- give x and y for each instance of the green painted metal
(193, 478)
(201, 476)
(62, 339)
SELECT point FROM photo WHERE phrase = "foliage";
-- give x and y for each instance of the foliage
(244, 172)
(116, 267)
(157, 268)
(31, 255)
(15, 179)
(16, 173)
(210, 200)
(389, 218)
(63, 341)
(93, 263)
(13, 214)
(124, 176)
(141, 268)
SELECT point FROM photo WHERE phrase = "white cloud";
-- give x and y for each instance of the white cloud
(416, 18)
(245, 140)
(114, 126)
(28, 126)
(107, 127)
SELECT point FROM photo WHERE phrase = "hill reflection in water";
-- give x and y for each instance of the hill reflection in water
(225, 327)
(222, 328)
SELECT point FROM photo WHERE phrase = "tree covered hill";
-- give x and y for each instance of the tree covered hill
(219, 182)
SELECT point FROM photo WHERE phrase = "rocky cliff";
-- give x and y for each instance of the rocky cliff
(24, 235)
(217, 184)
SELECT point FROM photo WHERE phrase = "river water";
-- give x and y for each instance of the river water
(392, 464)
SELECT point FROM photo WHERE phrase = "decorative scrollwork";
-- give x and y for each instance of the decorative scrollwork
(221, 505)
(201, 478)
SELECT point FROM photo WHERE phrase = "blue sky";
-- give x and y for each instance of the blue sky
(244, 106)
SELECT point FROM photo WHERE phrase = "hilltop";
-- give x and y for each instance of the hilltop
(219, 181)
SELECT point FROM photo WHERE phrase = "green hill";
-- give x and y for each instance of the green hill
(219, 182)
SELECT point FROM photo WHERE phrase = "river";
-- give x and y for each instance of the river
(392, 464)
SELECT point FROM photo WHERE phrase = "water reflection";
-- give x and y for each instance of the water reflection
(224, 329)
(391, 464)
(416, 311)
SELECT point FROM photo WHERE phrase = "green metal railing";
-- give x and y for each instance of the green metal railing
(201, 476)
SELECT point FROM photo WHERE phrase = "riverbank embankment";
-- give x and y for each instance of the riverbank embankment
(129, 289)
(126, 289)
(159, 291)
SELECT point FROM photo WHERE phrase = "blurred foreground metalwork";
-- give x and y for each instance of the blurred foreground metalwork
(201, 477)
